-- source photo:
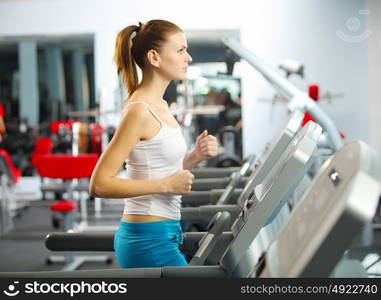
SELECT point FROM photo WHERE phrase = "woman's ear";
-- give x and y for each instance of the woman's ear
(153, 58)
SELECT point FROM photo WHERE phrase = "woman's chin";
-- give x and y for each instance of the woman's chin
(182, 77)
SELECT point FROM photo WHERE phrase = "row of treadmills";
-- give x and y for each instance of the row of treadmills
(253, 230)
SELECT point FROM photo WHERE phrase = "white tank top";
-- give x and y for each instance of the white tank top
(158, 157)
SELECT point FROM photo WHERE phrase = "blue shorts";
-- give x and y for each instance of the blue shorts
(149, 244)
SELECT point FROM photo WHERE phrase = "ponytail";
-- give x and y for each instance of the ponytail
(124, 60)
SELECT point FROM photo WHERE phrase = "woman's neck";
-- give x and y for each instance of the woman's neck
(151, 89)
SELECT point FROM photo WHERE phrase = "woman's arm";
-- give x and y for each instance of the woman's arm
(206, 147)
(103, 182)
(190, 161)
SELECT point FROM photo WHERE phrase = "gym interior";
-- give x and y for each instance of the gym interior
(289, 88)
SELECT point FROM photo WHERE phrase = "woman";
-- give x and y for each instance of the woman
(150, 140)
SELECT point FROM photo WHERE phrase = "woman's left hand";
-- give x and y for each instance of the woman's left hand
(206, 146)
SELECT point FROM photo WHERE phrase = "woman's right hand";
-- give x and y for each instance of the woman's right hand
(180, 182)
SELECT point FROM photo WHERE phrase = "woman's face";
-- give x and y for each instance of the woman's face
(174, 58)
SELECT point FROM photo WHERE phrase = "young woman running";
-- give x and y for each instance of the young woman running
(150, 140)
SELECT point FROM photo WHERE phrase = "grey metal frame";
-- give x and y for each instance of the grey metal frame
(298, 99)
(328, 218)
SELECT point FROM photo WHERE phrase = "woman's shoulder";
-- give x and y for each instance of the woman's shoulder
(134, 104)
(134, 110)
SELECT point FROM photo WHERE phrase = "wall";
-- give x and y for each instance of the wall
(306, 31)
(374, 78)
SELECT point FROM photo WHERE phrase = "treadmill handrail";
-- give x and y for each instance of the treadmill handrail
(297, 98)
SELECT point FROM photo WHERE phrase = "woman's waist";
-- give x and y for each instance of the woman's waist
(143, 218)
(149, 226)
(169, 208)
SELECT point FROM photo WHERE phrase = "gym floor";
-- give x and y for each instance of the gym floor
(23, 248)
